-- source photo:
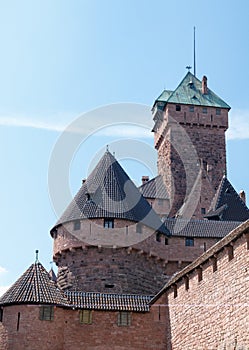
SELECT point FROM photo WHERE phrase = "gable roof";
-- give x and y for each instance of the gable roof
(154, 188)
(227, 204)
(34, 287)
(189, 92)
(199, 228)
(108, 192)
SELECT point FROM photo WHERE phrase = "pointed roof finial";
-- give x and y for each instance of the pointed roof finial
(107, 148)
(36, 256)
(194, 55)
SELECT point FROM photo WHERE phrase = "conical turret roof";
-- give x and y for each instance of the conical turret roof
(108, 192)
(227, 204)
(34, 287)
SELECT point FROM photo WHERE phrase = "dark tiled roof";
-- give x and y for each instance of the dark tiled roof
(231, 237)
(227, 204)
(154, 188)
(189, 92)
(111, 302)
(108, 192)
(200, 228)
(34, 287)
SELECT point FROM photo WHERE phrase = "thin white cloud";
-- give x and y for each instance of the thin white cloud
(31, 123)
(2, 270)
(238, 125)
(3, 289)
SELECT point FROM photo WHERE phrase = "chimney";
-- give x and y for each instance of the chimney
(145, 179)
(204, 88)
(243, 196)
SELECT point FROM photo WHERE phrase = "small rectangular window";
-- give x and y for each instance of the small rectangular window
(218, 111)
(76, 225)
(230, 252)
(160, 201)
(186, 283)
(46, 313)
(189, 242)
(108, 223)
(191, 109)
(86, 316)
(1, 314)
(175, 290)
(199, 273)
(214, 262)
(203, 211)
(178, 108)
(139, 228)
(158, 237)
(124, 318)
(204, 110)
(166, 241)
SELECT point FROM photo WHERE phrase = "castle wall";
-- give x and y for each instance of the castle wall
(141, 268)
(146, 330)
(208, 307)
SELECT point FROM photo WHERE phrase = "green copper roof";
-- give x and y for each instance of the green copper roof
(189, 92)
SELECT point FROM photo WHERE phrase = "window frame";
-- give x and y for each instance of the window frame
(108, 223)
(46, 313)
(124, 318)
(189, 242)
(85, 316)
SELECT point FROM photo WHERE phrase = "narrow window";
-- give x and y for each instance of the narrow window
(189, 242)
(186, 283)
(139, 228)
(1, 314)
(199, 273)
(204, 110)
(218, 111)
(191, 109)
(108, 223)
(166, 241)
(211, 118)
(178, 108)
(86, 316)
(175, 290)
(46, 313)
(124, 318)
(76, 225)
(214, 261)
(203, 211)
(158, 237)
(18, 321)
(230, 252)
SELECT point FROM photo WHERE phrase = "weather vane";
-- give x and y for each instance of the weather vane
(188, 68)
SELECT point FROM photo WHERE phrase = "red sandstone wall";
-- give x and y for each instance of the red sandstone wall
(207, 136)
(212, 313)
(66, 332)
(143, 268)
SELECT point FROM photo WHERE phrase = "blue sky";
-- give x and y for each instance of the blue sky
(60, 59)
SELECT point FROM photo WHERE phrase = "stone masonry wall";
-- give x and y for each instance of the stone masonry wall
(146, 331)
(210, 310)
(182, 137)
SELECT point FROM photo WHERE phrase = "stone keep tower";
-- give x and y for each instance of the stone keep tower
(189, 135)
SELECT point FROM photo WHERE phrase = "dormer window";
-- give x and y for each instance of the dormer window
(178, 108)
(108, 223)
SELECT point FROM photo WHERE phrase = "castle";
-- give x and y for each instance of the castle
(162, 266)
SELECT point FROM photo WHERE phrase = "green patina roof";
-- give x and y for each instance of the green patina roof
(189, 92)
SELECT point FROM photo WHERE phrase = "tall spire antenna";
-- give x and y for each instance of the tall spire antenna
(194, 55)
